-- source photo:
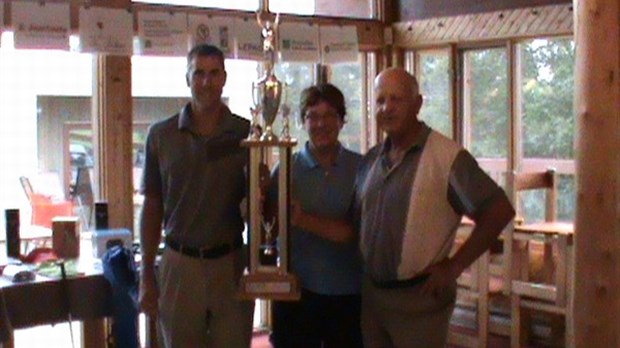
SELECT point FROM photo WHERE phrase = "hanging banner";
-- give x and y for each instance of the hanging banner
(217, 31)
(299, 42)
(249, 43)
(40, 25)
(339, 44)
(162, 33)
(104, 30)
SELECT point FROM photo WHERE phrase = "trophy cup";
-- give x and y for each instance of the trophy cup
(267, 275)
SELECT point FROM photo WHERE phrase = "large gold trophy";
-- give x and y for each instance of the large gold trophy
(267, 275)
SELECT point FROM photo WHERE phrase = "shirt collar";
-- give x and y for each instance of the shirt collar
(418, 142)
(186, 120)
(308, 160)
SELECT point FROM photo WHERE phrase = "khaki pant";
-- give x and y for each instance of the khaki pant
(197, 303)
(404, 318)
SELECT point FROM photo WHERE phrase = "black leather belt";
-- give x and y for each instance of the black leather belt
(204, 253)
(399, 284)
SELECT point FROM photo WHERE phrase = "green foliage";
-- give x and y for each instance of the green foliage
(435, 89)
(296, 77)
(348, 77)
(547, 89)
(488, 87)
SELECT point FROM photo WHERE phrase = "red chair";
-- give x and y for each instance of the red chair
(44, 208)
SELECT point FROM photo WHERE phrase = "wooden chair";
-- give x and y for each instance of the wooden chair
(472, 292)
(549, 291)
(476, 286)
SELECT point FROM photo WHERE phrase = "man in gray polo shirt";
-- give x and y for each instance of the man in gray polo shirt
(193, 184)
(412, 191)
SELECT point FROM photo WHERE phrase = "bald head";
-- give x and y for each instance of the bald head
(399, 77)
(397, 104)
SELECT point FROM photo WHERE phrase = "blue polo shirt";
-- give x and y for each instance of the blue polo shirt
(324, 266)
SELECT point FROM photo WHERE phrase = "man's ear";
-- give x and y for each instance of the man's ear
(187, 79)
(418, 103)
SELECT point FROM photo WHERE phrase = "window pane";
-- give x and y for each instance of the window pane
(160, 90)
(250, 5)
(547, 87)
(33, 136)
(434, 79)
(485, 108)
(548, 120)
(342, 8)
(348, 77)
(296, 76)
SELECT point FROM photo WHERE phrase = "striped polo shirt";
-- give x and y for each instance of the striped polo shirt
(384, 195)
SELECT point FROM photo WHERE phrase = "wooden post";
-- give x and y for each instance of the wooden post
(94, 333)
(112, 115)
(597, 224)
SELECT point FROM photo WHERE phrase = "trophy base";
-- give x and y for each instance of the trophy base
(281, 287)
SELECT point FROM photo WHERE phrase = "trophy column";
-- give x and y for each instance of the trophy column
(268, 274)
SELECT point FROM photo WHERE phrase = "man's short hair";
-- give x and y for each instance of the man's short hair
(324, 92)
(205, 50)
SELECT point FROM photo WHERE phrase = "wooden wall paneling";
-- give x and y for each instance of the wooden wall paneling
(424, 9)
(370, 35)
(597, 224)
(509, 24)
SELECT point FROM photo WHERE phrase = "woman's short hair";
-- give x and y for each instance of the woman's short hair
(324, 92)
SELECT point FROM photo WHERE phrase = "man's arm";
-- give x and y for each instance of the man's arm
(490, 221)
(150, 237)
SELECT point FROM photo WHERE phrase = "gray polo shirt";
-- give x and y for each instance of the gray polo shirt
(200, 178)
(387, 197)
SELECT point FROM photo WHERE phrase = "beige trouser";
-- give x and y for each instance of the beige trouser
(404, 318)
(197, 303)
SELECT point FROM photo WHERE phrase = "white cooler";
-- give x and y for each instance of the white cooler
(105, 238)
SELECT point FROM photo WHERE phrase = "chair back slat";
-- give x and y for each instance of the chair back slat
(547, 181)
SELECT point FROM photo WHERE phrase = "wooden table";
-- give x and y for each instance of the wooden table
(44, 301)
(549, 233)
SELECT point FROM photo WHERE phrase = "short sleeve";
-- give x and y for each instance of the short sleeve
(470, 188)
(151, 175)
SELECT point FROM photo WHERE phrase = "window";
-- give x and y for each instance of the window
(546, 82)
(485, 108)
(28, 148)
(296, 77)
(433, 72)
(249, 5)
(342, 8)
(348, 77)
(29, 136)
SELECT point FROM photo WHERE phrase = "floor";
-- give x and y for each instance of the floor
(261, 341)
(59, 336)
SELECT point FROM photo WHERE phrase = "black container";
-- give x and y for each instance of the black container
(11, 217)
(101, 215)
